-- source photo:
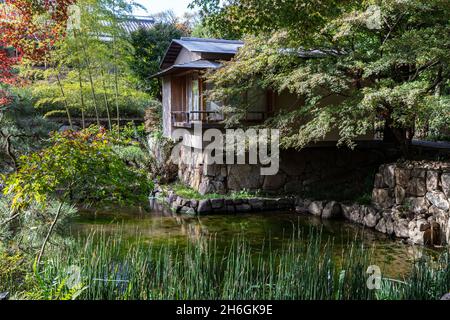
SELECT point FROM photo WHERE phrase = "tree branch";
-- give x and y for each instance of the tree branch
(50, 231)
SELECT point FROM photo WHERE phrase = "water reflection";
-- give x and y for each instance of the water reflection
(160, 225)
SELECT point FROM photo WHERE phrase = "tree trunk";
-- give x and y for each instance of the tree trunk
(400, 137)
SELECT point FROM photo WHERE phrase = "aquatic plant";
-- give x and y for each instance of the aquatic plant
(110, 269)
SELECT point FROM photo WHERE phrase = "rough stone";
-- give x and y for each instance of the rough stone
(446, 296)
(217, 203)
(445, 183)
(352, 212)
(331, 210)
(400, 194)
(285, 203)
(381, 198)
(401, 228)
(438, 199)
(316, 208)
(389, 175)
(204, 207)
(176, 207)
(171, 197)
(416, 187)
(417, 205)
(219, 187)
(256, 204)
(206, 186)
(275, 182)
(432, 180)
(194, 203)
(243, 177)
(418, 173)
(187, 210)
(371, 217)
(301, 205)
(379, 182)
(402, 176)
(385, 224)
(447, 237)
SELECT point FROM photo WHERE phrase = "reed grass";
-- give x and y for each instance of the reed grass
(112, 269)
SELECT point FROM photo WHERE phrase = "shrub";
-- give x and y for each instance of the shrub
(81, 166)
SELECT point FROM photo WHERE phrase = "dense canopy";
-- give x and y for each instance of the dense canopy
(385, 62)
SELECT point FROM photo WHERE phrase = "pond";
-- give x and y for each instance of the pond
(272, 230)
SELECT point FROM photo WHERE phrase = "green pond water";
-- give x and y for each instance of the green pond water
(273, 229)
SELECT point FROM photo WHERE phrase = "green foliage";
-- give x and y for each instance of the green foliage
(150, 47)
(88, 70)
(235, 18)
(47, 93)
(22, 129)
(29, 229)
(189, 193)
(13, 271)
(393, 70)
(79, 165)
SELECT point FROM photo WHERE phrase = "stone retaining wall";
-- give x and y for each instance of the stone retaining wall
(300, 171)
(410, 200)
(413, 200)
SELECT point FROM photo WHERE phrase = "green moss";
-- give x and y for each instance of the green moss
(189, 193)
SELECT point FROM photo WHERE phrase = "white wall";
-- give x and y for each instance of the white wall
(167, 97)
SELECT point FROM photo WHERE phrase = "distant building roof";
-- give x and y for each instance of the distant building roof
(196, 65)
(134, 23)
(213, 46)
(130, 24)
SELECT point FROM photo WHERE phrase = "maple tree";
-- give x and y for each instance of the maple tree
(30, 28)
(33, 26)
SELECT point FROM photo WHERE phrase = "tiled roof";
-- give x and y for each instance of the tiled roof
(213, 46)
(134, 23)
(210, 45)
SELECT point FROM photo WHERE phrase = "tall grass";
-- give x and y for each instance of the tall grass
(111, 269)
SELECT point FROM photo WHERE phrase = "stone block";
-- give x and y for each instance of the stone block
(438, 199)
(400, 194)
(217, 203)
(416, 187)
(204, 207)
(432, 180)
(402, 176)
(316, 208)
(382, 198)
(331, 210)
(445, 183)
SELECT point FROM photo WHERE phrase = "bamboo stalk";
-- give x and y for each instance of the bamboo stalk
(91, 81)
(66, 105)
(105, 97)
